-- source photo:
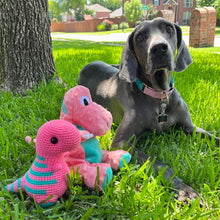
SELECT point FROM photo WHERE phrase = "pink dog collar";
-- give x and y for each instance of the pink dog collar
(152, 92)
(157, 95)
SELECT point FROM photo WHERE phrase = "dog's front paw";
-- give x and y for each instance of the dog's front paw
(187, 194)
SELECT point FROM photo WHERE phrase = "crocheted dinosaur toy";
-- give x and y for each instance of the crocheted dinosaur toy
(47, 175)
(92, 119)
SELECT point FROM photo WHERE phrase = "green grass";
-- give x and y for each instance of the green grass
(185, 30)
(135, 192)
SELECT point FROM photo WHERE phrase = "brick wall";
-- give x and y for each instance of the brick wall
(202, 27)
(167, 14)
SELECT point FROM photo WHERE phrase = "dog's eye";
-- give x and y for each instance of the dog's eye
(139, 37)
(54, 140)
(84, 100)
(169, 29)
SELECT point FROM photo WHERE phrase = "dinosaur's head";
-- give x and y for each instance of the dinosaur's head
(78, 108)
(56, 137)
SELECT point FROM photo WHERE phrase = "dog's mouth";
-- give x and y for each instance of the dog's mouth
(160, 79)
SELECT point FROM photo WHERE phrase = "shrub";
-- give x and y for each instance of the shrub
(152, 15)
(124, 25)
(108, 24)
(101, 27)
(114, 27)
(55, 20)
(137, 23)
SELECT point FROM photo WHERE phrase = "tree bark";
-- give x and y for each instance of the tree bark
(25, 44)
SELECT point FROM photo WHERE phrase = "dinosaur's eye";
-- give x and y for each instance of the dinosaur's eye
(54, 140)
(84, 100)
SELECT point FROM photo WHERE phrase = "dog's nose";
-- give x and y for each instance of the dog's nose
(159, 49)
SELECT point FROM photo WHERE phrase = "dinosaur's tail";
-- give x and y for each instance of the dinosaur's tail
(18, 184)
(28, 139)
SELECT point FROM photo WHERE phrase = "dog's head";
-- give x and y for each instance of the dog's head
(149, 53)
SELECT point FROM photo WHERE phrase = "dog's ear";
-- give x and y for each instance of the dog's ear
(183, 57)
(129, 64)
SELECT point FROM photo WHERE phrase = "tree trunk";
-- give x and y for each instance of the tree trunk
(25, 44)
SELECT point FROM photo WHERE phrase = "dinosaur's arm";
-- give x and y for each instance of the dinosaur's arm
(116, 158)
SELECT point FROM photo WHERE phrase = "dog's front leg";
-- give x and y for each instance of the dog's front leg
(204, 133)
(183, 120)
(189, 128)
(129, 126)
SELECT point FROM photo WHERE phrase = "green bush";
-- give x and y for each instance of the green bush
(124, 25)
(54, 20)
(101, 27)
(114, 27)
(108, 24)
(137, 23)
(152, 15)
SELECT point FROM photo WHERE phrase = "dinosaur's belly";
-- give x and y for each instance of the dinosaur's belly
(93, 152)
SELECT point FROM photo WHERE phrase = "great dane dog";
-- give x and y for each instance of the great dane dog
(140, 90)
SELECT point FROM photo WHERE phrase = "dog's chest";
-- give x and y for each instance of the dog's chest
(160, 117)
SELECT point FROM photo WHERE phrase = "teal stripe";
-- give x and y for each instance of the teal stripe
(40, 182)
(64, 108)
(40, 165)
(40, 158)
(12, 187)
(79, 127)
(139, 84)
(172, 81)
(35, 191)
(42, 174)
(19, 183)
(49, 204)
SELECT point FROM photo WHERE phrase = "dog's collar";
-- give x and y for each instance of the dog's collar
(152, 92)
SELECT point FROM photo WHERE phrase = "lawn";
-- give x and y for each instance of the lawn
(135, 192)
(185, 30)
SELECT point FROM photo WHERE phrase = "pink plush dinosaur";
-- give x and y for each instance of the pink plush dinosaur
(92, 119)
(47, 175)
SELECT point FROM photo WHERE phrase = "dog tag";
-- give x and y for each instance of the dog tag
(163, 116)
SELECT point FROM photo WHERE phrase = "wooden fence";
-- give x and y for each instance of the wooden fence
(83, 26)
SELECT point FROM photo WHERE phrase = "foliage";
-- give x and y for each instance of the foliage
(76, 5)
(136, 192)
(137, 23)
(203, 3)
(101, 27)
(151, 13)
(55, 10)
(68, 6)
(124, 25)
(113, 4)
(133, 10)
(106, 25)
(55, 20)
(110, 4)
(216, 4)
(114, 27)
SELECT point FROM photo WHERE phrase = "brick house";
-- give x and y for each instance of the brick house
(182, 8)
(100, 11)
